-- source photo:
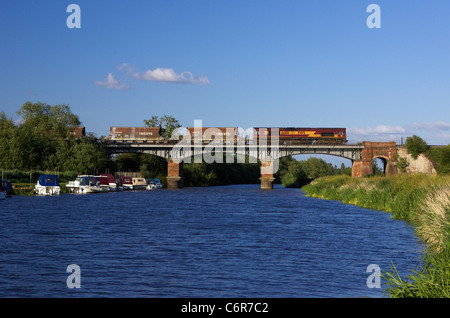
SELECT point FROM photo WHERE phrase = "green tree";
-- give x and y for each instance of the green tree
(441, 158)
(88, 156)
(42, 140)
(167, 123)
(291, 173)
(415, 146)
(55, 121)
(316, 168)
(8, 138)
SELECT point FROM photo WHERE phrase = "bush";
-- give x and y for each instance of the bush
(415, 146)
(441, 158)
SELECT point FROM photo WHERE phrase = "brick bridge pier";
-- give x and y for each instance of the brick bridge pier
(386, 151)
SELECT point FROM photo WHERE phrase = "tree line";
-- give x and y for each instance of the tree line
(42, 139)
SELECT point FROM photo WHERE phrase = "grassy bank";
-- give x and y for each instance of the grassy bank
(423, 201)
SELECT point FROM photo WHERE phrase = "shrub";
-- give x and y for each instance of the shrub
(415, 146)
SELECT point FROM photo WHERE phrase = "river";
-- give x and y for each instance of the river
(230, 241)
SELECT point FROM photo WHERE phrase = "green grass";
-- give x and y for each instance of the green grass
(421, 200)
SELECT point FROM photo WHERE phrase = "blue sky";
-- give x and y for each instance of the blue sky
(234, 63)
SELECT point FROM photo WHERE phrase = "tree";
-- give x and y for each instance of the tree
(8, 137)
(441, 158)
(415, 146)
(41, 140)
(167, 123)
(88, 156)
(316, 168)
(48, 120)
(291, 173)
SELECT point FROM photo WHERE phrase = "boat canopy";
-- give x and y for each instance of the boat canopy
(127, 180)
(103, 180)
(48, 180)
(7, 186)
(87, 180)
(110, 177)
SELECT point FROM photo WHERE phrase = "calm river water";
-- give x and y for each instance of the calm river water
(233, 241)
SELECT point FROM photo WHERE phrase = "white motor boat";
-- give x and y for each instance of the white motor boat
(85, 184)
(139, 184)
(47, 185)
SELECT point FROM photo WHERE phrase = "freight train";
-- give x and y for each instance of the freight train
(225, 135)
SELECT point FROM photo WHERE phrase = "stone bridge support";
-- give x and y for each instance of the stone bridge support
(174, 174)
(372, 150)
(267, 169)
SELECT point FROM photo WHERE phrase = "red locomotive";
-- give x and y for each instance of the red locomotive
(294, 135)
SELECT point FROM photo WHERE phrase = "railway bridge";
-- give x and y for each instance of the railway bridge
(361, 156)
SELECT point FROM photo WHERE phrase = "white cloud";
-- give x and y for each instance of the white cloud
(377, 133)
(112, 82)
(165, 75)
(434, 133)
(378, 130)
(434, 126)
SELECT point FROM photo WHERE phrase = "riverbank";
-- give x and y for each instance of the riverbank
(421, 200)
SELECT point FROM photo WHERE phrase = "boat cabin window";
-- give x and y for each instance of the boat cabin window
(50, 180)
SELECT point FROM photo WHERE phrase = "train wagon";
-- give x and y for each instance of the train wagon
(136, 134)
(209, 134)
(297, 135)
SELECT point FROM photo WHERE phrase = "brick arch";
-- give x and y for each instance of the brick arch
(372, 150)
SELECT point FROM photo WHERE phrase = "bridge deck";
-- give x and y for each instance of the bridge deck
(182, 151)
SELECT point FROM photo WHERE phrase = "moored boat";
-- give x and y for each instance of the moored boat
(7, 187)
(119, 186)
(47, 185)
(111, 181)
(157, 183)
(104, 184)
(127, 183)
(151, 184)
(84, 184)
(139, 184)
